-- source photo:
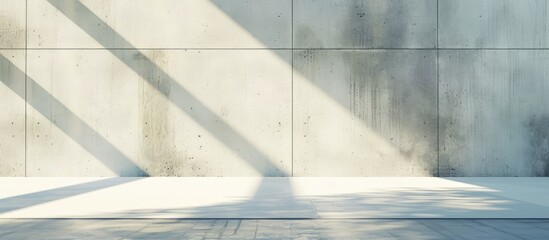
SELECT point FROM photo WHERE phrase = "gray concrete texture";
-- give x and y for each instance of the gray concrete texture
(365, 113)
(494, 113)
(274, 88)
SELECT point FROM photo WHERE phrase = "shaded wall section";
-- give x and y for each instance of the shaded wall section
(365, 113)
(494, 113)
(493, 88)
(274, 88)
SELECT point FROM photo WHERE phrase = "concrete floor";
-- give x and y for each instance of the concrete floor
(416, 229)
(274, 208)
(284, 198)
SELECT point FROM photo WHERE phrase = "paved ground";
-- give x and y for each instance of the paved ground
(267, 198)
(273, 229)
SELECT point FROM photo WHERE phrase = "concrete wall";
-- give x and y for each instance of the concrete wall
(274, 88)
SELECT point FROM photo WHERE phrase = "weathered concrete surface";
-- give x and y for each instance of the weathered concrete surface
(159, 113)
(494, 24)
(365, 24)
(375, 115)
(160, 24)
(83, 115)
(228, 110)
(12, 113)
(12, 24)
(494, 116)
(222, 113)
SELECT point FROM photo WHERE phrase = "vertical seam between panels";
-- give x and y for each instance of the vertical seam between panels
(26, 46)
(292, 84)
(438, 99)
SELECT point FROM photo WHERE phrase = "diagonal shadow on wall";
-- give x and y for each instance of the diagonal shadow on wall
(73, 126)
(94, 26)
(177, 94)
(368, 78)
(87, 20)
(356, 31)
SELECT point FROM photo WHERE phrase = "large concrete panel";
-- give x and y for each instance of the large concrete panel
(159, 24)
(83, 115)
(12, 114)
(159, 113)
(494, 116)
(494, 24)
(12, 24)
(219, 113)
(365, 24)
(365, 113)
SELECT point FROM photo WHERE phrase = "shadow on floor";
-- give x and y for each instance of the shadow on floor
(31, 199)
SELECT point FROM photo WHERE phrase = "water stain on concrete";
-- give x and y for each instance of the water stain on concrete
(157, 135)
(394, 102)
(12, 32)
(538, 130)
(493, 113)
(366, 28)
(305, 36)
(397, 104)
(365, 24)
